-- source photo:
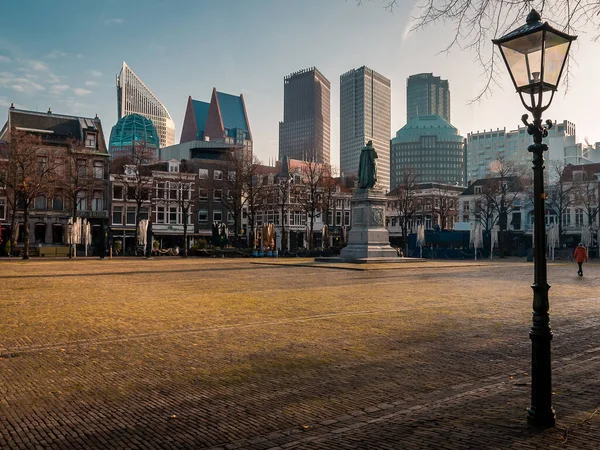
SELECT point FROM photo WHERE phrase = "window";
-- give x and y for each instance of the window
(118, 192)
(143, 213)
(117, 218)
(82, 168)
(98, 170)
(57, 204)
(40, 203)
(203, 174)
(217, 216)
(160, 214)
(81, 201)
(218, 175)
(39, 232)
(338, 218)
(202, 216)
(477, 189)
(2, 209)
(579, 217)
(202, 194)
(57, 233)
(131, 193)
(231, 176)
(130, 215)
(97, 201)
(173, 166)
(41, 165)
(218, 194)
(90, 140)
(229, 217)
(173, 214)
(347, 218)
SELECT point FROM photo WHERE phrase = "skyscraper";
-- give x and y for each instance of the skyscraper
(305, 131)
(365, 114)
(134, 97)
(427, 95)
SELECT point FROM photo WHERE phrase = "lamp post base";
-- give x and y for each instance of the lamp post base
(541, 419)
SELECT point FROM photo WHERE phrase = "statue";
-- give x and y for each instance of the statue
(367, 167)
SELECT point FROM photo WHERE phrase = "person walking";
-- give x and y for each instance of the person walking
(580, 255)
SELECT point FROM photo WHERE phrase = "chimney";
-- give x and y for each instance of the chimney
(49, 110)
(12, 106)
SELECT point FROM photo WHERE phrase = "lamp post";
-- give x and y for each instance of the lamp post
(535, 55)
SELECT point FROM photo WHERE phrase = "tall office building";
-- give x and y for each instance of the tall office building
(427, 95)
(305, 131)
(485, 148)
(432, 148)
(365, 114)
(134, 97)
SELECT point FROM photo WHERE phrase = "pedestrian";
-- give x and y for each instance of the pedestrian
(580, 255)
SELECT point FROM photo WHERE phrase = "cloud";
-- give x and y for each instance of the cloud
(79, 55)
(4, 102)
(21, 84)
(56, 54)
(91, 83)
(38, 66)
(5, 59)
(18, 88)
(95, 73)
(114, 21)
(58, 88)
(81, 91)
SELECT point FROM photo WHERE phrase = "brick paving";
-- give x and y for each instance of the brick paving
(224, 354)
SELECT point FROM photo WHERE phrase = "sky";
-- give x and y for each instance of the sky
(66, 55)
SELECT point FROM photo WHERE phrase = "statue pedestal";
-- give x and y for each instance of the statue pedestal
(368, 237)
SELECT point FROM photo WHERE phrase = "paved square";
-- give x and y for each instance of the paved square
(174, 353)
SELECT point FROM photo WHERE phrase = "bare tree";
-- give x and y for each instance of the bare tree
(185, 197)
(30, 173)
(504, 189)
(485, 208)
(404, 197)
(309, 194)
(444, 205)
(561, 195)
(134, 173)
(254, 193)
(587, 196)
(330, 188)
(238, 176)
(477, 22)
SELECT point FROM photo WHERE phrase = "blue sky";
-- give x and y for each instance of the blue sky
(65, 55)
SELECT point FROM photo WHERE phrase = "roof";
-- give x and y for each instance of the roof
(133, 127)
(232, 111)
(200, 113)
(490, 181)
(61, 125)
(427, 125)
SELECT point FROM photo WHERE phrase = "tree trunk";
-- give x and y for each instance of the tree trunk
(283, 231)
(13, 228)
(26, 230)
(185, 235)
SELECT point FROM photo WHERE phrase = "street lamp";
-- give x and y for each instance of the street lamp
(535, 55)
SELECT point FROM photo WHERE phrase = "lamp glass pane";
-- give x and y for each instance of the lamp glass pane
(555, 57)
(524, 58)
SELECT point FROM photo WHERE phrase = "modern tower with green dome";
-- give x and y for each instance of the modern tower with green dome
(133, 131)
(432, 147)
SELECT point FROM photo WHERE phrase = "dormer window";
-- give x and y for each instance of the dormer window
(90, 140)
(173, 166)
(477, 189)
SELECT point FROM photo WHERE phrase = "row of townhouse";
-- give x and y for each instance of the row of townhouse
(572, 202)
(57, 166)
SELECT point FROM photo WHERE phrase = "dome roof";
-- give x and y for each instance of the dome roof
(133, 128)
(427, 125)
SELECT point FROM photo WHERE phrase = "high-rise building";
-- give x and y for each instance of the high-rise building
(426, 95)
(486, 147)
(432, 148)
(134, 97)
(305, 131)
(365, 115)
(223, 120)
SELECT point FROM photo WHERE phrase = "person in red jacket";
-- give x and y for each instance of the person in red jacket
(580, 255)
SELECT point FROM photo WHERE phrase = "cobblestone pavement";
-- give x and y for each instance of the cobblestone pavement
(187, 354)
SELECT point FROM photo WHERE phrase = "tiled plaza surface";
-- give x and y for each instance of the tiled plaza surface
(185, 354)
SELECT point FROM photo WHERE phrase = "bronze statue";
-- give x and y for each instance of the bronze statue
(367, 167)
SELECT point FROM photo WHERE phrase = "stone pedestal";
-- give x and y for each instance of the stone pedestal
(368, 237)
